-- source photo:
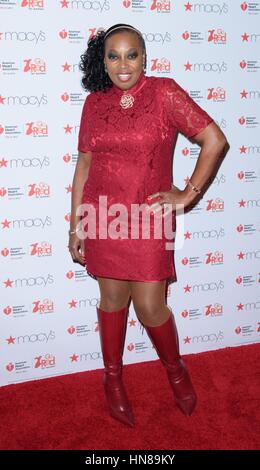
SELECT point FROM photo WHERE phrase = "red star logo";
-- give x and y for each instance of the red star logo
(240, 306)
(10, 340)
(188, 6)
(73, 304)
(74, 358)
(187, 288)
(242, 203)
(8, 283)
(3, 163)
(66, 67)
(187, 235)
(2, 99)
(69, 188)
(132, 322)
(245, 37)
(68, 129)
(64, 4)
(241, 255)
(187, 340)
(6, 223)
(187, 66)
(244, 94)
(242, 149)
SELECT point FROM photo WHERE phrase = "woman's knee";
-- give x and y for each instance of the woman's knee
(113, 295)
(149, 311)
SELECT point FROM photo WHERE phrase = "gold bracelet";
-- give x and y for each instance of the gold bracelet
(194, 188)
(71, 232)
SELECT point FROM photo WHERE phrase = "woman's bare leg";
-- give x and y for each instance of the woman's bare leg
(114, 293)
(149, 302)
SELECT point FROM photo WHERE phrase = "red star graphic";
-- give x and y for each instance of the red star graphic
(187, 66)
(3, 162)
(245, 37)
(132, 322)
(6, 223)
(74, 358)
(244, 94)
(240, 306)
(187, 340)
(8, 283)
(73, 304)
(64, 4)
(69, 188)
(187, 235)
(188, 6)
(242, 203)
(68, 129)
(2, 99)
(66, 67)
(241, 255)
(187, 288)
(10, 340)
(242, 149)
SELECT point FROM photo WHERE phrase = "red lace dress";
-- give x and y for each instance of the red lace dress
(132, 158)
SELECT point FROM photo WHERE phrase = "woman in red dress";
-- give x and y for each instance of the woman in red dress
(128, 129)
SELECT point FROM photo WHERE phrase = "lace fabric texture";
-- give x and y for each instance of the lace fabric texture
(132, 157)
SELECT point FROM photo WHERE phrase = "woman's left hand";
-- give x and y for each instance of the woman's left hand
(172, 198)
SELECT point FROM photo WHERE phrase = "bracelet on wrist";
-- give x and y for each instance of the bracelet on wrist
(77, 229)
(194, 188)
(71, 232)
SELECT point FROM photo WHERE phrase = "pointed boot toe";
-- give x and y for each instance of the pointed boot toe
(187, 405)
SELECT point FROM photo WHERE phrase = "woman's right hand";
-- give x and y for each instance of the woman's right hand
(76, 249)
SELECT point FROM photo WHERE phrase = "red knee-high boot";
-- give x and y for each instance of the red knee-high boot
(165, 340)
(112, 331)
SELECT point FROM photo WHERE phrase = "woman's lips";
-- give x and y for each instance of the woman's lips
(124, 77)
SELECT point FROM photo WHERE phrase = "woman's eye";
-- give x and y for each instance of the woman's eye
(131, 56)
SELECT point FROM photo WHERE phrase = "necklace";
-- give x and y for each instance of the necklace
(127, 98)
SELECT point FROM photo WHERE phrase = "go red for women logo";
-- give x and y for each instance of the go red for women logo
(33, 4)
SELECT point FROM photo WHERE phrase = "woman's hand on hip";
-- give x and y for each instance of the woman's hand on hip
(171, 199)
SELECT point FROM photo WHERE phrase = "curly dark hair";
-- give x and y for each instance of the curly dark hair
(95, 78)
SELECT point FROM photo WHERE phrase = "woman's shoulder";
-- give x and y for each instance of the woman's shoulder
(162, 83)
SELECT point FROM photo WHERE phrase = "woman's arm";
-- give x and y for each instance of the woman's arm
(79, 179)
(213, 143)
(76, 245)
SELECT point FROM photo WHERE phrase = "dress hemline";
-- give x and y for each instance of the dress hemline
(171, 278)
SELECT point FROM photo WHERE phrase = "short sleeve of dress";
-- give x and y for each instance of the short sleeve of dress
(182, 111)
(84, 135)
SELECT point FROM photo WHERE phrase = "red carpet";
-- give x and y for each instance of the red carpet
(69, 412)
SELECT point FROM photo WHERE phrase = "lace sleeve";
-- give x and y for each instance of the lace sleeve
(182, 111)
(84, 136)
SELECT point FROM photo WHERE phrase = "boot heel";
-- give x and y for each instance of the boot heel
(182, 387)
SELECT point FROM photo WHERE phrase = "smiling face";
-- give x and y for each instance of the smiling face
(124, 58)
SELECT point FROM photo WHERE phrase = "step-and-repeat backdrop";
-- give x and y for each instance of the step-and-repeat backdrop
(48, 303)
